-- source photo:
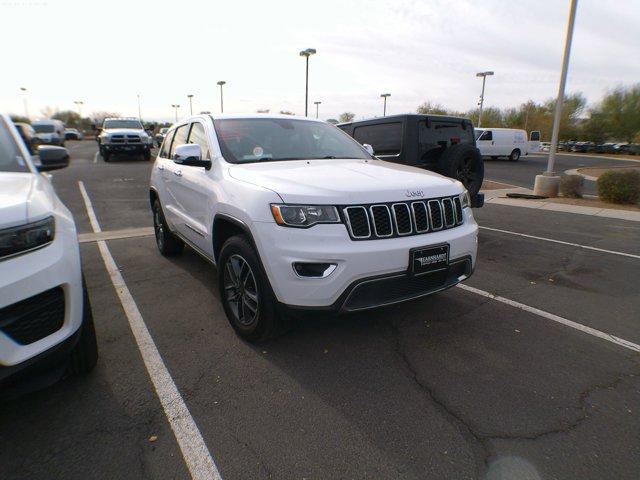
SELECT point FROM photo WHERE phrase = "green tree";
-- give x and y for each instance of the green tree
(70, 118)
(621, 111)
(491, 117)
(428, 108)
(19, 118)
(346, 117)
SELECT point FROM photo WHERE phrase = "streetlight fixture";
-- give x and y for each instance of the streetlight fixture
(384, 108)
(484, 76)
(176, 107)
(24, 100)
(317, 104)
(307, 53)
(79, 103)
(190, 97)
(548, 183)
(221, 83)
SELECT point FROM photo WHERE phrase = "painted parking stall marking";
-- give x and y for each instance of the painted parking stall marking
(586, 247)
(556, 318)
(194, 450)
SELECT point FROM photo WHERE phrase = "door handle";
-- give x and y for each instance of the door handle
(178, 173)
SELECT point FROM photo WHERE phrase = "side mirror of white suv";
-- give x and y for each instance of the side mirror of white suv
(368, 148)
(190, 155)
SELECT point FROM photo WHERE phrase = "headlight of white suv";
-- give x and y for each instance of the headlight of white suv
(302, 216)
(465, 200)
(24, 238)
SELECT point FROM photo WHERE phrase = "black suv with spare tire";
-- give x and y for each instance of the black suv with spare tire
(442, 144)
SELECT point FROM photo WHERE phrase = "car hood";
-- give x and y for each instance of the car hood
(344, 181)
(24, 197)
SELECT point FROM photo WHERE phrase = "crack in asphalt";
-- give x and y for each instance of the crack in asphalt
(481, 441)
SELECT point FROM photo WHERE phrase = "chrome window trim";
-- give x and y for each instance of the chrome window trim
(433, 228)
(348, 220)
(373, 220)
(395, 220)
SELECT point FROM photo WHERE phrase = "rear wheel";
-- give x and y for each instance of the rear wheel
(245, 292)
(515, 155)
(464, 163)
(168, 244)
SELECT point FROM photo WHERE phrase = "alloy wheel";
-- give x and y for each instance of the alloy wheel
(241, 290)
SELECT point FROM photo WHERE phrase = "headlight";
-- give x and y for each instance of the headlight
(16, 240)
(104, 139)
(465, 200)
(304, 215)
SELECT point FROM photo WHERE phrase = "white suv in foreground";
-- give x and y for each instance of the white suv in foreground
(298, 216)
(46, 327)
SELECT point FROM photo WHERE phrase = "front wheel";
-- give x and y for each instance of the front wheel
(515, 155)
(245, 292)
(147, 155)
(85, 354)
(168, 244)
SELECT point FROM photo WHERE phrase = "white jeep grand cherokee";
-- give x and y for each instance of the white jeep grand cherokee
(298, 216)
(46, 326)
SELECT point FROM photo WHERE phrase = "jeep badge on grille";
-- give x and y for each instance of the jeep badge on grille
(414, 193)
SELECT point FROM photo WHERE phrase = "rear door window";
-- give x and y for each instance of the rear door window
(385, 138)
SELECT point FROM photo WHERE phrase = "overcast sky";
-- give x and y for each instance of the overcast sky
(106, 53)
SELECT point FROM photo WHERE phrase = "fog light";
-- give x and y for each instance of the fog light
(314, 270)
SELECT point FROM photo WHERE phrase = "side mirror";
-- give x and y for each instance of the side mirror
(190, 155)
(52, 158)
(368, 148)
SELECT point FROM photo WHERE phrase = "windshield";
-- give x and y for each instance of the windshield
(478, 133)
(10, 157)
(133, 124)
(45, 128)
(247, 140)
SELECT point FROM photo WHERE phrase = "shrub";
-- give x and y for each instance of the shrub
(619, 186)
(571, 186)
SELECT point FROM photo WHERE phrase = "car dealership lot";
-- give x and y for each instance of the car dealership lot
(455, 385)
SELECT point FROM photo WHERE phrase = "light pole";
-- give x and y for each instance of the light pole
(548, 183)
(176, 107)
(317, 104)
(307, 53)
(139, 114)
(79, 103)
(484, 76)
(221, 83)
(384, 108)
(190, 97)
(24, 100)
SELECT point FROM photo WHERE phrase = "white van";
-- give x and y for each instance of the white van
(506, 142)
(49, 131)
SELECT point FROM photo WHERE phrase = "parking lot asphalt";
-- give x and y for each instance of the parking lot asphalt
(523, 172)
(455, 385)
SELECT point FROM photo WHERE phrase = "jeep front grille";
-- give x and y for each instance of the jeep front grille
(386, 220)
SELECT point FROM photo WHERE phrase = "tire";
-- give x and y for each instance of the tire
(515, 155)
(147, 155)
(168, 244)
(494, 157)
(464, 163)
(106, 156)
(238, 260)
(84, 355)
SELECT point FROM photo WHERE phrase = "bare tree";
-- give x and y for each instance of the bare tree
(346, 117)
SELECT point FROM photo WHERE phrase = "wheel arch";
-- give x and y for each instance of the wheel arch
(226, 226)
(153, 196)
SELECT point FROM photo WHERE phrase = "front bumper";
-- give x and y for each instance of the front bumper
(358, 263)
(29, 275)
(124, 148)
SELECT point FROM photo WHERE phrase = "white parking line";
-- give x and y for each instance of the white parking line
(95, 158)
(556, 318)
(586, 247)
(194, 450)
